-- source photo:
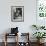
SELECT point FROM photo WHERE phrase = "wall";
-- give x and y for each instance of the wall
(29, 15)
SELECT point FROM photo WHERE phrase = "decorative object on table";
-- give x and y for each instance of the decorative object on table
(14, 30)
(17, 13)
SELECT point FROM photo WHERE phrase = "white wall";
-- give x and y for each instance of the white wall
(29, 15)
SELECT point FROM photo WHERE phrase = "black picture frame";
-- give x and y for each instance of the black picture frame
(17, 13)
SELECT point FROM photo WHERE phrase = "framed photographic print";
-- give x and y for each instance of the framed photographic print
(17, 13)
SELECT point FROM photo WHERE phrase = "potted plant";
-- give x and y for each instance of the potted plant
(39, 35)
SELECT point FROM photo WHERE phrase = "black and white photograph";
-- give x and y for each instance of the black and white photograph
(17, 13)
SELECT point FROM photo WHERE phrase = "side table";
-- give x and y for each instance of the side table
(8, 34)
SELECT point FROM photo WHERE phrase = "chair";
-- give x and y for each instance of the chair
(25, 37)
(14, 32)
(7, 35)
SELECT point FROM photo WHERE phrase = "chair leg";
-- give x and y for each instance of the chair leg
(5, 43)
(5, 40)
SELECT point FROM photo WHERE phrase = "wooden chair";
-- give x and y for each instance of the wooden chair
(25, 36)
(7, 34)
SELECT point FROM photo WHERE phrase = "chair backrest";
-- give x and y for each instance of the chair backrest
(24, 37)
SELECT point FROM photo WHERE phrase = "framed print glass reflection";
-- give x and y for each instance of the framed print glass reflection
(17, 13)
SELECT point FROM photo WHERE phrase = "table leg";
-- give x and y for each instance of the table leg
(5, 40)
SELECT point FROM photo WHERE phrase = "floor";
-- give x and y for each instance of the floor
(13, 44)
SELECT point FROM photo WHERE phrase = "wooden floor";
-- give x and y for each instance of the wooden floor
(13, 44)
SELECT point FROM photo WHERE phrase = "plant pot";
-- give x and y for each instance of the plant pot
(40, 41)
